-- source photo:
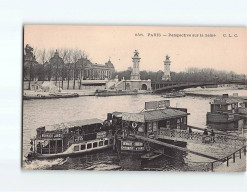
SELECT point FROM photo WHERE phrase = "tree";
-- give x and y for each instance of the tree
(75, 56)
(41, 73)
(29, 61)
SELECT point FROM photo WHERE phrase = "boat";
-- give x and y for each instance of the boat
(71, 138)
(173, 94)
(227, 113)
(151, 155)
(105, 93)
(50, 96)
(155, 121)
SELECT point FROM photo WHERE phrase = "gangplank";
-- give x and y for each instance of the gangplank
(173, 146)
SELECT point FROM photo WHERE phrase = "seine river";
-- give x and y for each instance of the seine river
(45, 112)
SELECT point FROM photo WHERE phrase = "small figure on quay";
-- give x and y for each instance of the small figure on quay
(205, 137)
(205, 132)
(190, 133)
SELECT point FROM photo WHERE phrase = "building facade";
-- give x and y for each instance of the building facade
(57, 70)
(89, 71)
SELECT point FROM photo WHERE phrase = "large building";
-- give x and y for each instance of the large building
(56, 69)
(65, 75)
(90, 71)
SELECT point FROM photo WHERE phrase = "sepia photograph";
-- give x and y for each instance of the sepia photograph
(134, 98)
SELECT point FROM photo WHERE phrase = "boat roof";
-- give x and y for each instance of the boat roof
(227, 100)
(117, 113)
(160, 114)
(77, 123)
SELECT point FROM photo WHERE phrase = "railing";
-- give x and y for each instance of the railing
(199, 137)
(228, 157)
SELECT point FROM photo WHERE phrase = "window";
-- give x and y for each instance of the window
(89, 145)
(167, 124)
(101, 143)
(76, 148)
(106, 142)
(95, 144)
(150, 127)
(83, 147)
(185, 120)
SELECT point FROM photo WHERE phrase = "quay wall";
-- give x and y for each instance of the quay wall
(196, 94)
(65, 85)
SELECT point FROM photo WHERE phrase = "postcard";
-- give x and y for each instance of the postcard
(134, 98)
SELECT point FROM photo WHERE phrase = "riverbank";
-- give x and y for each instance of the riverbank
(28, 94)
(214, 92)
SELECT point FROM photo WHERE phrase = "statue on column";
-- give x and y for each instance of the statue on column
(136, 53)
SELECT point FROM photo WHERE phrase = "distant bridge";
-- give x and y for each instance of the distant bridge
(159, 87)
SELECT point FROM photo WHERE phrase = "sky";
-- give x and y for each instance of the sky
(202, 47)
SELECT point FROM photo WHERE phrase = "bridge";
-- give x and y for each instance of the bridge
(163, 86)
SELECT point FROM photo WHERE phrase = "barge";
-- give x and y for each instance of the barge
(105, 93)
(227, 113)
(153, 122)
(50, 96)
(174, 94)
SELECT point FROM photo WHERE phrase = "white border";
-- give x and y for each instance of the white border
(13, 14)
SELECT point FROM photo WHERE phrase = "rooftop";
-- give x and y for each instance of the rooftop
(227, 100)
(155, 115)
(77, 123)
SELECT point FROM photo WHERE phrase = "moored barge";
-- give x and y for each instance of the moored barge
(227, 113)
(173, 94)
(153, 122)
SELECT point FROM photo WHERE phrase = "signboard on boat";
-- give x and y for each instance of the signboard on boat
(47, 135)
(153, 105)
(133, 117)
(101, 134)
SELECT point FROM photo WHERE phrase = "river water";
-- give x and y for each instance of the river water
(46, 112)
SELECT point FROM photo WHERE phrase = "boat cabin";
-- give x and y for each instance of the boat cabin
(158, 115)
(226, 104)
(227, 113)
(57, 138)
